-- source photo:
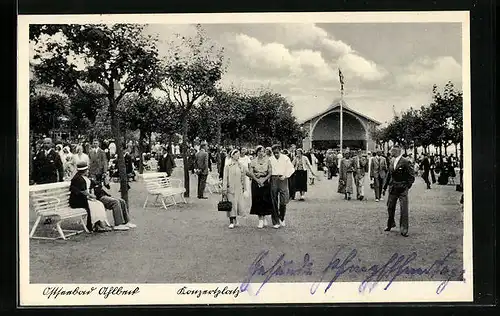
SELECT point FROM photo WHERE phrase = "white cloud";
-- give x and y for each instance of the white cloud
(272, 55)
(338, 48)
(360, 67)
(276, 57)
(426, 72)
(299, 33)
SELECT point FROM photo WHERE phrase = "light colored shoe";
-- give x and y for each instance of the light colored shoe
(276, 226)
(265, 222)
(131, 225)
(236, 223)
(376, 200)
(381, 199)
(231, 226)
(121, 227)
(283, 223)
(261, 224)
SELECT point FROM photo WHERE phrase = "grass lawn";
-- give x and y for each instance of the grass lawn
(192, 244)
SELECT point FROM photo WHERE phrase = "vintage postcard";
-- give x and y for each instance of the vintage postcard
(175, 159)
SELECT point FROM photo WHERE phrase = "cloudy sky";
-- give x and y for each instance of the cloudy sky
(383, 64)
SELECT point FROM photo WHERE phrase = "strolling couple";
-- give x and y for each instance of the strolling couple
(270, 193)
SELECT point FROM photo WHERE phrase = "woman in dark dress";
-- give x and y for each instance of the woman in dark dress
(302, 168)
(260, 172)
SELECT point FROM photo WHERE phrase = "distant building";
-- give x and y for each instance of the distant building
(323, 129)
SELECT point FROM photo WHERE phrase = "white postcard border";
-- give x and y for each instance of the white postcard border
(159, 294)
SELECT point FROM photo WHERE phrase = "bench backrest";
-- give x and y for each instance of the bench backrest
(156, 180)
(49, 198)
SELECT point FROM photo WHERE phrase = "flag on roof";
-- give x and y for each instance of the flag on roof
(341, 77)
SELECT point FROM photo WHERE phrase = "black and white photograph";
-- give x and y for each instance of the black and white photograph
(245, 158)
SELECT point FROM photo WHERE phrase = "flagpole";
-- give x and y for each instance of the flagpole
(341, 119)
(341, 79)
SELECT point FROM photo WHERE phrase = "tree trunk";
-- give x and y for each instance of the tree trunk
(461, 164)
(440, 153)
(150, 141)
(414, 153)
(141, 141)
(115, 129)
(32, 149)
(456, 151)
(218, 134)
(446, 149)
(185, 153)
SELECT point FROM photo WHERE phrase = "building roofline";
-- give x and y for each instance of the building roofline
(345, 106)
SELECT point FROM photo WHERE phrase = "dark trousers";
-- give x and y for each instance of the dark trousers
(202, 183)
(291, 186)
(391, 209)
(119, 208)
(433, 176)
(377, 186)
(381, 182)
(279, 196)
(425, 175)
(331, 172)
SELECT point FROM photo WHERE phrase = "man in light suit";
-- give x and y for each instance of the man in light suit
(378, 170)
(98, 162)
(399, 180)
(201, 165)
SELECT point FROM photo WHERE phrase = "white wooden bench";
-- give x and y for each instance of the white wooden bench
(160, 185)
(52, 201)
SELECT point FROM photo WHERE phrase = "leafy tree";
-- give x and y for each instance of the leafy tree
(86, 106)
(107, 55)
(145, 114)
(45, 112)
(191, 74)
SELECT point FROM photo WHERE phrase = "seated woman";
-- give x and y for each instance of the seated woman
(80, 197)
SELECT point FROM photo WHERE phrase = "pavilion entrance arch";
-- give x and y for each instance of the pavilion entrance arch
(323, 130)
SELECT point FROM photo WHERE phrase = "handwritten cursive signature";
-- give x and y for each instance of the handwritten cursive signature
(396, 266)
(280, 267)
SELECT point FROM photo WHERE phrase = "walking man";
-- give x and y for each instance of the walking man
(282, 168)
(201, 166)
(378, 169)
(98, 162)
(399, 179)
(426, 166)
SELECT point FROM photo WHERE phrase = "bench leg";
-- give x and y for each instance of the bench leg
(32, 232)
(60, 231)
(145, 202)
(163, 202)
(82, 221)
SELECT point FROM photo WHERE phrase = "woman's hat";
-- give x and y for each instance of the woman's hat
(234, 151)
(260, 147)
(82, 165)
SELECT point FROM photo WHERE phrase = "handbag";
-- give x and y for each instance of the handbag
(224, 205)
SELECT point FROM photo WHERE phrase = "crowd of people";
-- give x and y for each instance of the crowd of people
(258, 181)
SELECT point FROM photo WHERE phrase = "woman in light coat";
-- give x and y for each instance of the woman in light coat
(233, 186)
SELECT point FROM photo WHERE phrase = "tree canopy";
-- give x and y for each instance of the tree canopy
(439, 123)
